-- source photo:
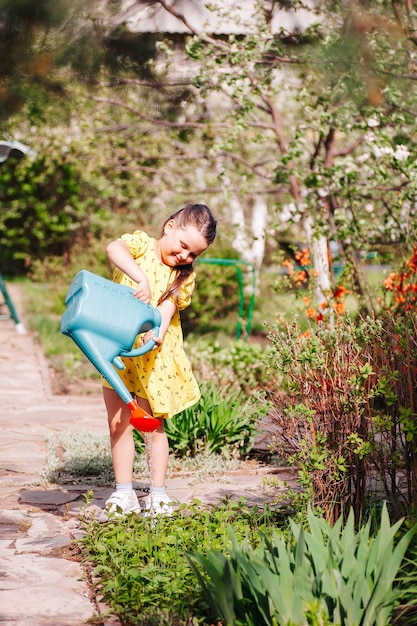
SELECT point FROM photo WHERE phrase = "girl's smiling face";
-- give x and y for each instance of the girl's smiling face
(180, 246)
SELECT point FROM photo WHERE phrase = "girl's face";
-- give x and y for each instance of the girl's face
(180, 246)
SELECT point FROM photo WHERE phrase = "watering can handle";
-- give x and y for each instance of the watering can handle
(142, 349)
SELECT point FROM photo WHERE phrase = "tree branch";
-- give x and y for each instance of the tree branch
(153, 120)
(153, 84)
(239, 159)
(170, 8)
(348, 149)
(329, 148)
(316, 152)
(393, 74)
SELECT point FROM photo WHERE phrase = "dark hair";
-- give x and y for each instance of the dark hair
(200, 216)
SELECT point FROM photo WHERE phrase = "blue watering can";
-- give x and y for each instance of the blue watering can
(103, 319)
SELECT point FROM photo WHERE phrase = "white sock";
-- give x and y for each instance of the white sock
(158, 491)
(124, 486)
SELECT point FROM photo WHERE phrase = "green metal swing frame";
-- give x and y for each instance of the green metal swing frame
(237, 264)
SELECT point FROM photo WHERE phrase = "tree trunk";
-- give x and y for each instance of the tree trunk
(319, 254)
(250, 243)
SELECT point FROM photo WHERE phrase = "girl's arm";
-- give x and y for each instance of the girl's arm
(119, 254)
(167, 309)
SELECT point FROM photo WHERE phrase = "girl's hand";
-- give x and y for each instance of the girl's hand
(151, 335)
(143, 291)
(119, 254)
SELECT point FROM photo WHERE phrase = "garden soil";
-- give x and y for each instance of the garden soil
(42, 581)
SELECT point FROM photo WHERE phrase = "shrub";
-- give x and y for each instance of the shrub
(344, 410)
(59, 208)
(234, 364)
(215, 299)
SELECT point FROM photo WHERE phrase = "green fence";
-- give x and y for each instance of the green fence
(236, 263)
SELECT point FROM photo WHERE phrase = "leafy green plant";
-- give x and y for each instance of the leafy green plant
(320, 400)
(327, 575)
(219, 423)
(139, 566)
(406, 612)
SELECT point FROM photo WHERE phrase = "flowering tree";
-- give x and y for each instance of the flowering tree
(322, 122)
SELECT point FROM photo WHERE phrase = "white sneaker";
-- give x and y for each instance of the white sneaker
(158, 504)
(120, 503)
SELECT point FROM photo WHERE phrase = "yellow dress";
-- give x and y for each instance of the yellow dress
(163, 376)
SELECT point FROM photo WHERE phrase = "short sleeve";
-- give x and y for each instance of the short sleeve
(138, 243)
(187, 288)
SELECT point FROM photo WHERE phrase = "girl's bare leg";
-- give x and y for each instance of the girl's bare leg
(159, 452)
(121, 439)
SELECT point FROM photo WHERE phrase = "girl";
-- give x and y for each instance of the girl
(161, 272)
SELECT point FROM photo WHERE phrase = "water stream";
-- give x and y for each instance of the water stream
(148, 451)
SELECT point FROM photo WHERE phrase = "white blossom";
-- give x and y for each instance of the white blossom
(380, 151)
(401, 152)
(292, 212)
(372, 121)
(287, 212)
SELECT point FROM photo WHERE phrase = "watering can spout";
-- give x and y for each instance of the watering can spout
(104, 318)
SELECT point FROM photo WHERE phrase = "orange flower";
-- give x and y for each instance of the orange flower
(280, 319)
(300, 276)
(303, 257)
(306, 300)
(311, 312)
(323, 306)
(287, 263)
(403, 284)
(390, 282)
(340, 308)
(412, 261)
(340, 291)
